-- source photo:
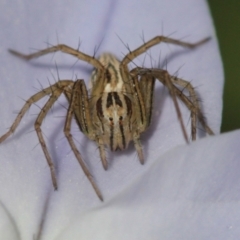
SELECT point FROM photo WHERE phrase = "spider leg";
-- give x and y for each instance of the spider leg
(194, 107)
(102, 153)
(55, 90)
(82, 116)
(36, 97)
(55, 95)
(156, 40)
(138, 147)
(79, 84)
(164, 77)
(99, 71)
(190, 102)
(81, 107)
(140, 111)
(146, 85)
(62, 48)
(161, 75)
(144, 99)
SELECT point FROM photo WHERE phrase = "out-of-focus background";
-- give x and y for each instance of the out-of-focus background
(226, 15)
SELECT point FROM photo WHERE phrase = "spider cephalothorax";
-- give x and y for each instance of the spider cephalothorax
(119, 107)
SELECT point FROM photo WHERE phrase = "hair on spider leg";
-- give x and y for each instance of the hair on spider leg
(42, 89)
(78, 48)
(108, 152)
(52, 107)
(62, 106)
(166, 63)
(41, 86)
(144, 59)
(79, 44)
(53, 76)
(96, 48)
(38, 143)
(162, 28)
(51, 86)
(52, 45)
(185, 88)
(74, 128)
(70, 149)
(35, 146)
(35, 104)
(58, 77)
(82, 146)
(124, 44)
(201, 101)
(176, 73)
(133, 62)
(57, 37)
(152, 61)
(142, 37)
(171, 34)
(148, 52)
(74, 64)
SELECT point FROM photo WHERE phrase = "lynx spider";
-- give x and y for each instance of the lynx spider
(120, 106)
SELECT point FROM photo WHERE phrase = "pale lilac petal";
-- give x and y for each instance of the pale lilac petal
(26, 188)
(191, 192)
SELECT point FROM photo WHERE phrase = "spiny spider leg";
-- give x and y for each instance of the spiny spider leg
(195, 110)
(55, 90)
(62, 48)
(157, 40)
(146, 85)
(164, 77)
(66, 49)
(83, 117)
(164, 74)
(36, 97)
(55, 95)
(191, 102)
(79, 84)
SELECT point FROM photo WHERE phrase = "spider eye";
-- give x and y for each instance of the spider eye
(120, 118)
(110, 119)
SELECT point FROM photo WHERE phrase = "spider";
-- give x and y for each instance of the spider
(119, 108)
